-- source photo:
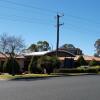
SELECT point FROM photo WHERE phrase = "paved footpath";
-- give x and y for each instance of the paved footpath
(60, 88)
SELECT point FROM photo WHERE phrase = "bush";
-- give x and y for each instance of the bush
(98, 68)
(78, 70)
(1, 69)
(49, 63)
(11, 66)
(63, 70)
(81, 62)
(93, 63)
(44, 63)
(55, 62)
(92, 70)
(33, 66)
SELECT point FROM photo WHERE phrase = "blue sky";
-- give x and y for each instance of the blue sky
(35, 20)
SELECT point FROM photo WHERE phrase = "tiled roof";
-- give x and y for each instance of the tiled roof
(88, 58)
(19, 56)
(2, 56)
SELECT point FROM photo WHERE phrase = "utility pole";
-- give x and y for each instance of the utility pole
(58, 26)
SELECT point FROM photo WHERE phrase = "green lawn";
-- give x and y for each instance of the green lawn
(7, 76)
(34, 76)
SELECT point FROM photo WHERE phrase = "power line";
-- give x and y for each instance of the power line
(81, 18)
(49, 11)
(35, 20)
(30, 20)
(75, 26)
(24, 20)
(24, 10)
(28, 6)
(27, 18)
(78, 30)
(16, 18)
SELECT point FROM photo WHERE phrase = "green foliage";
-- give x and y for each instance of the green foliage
(67, 46)
(97, 46)
(96, 55)
(11, 66)
(55, 62)
(49, 63)
(92, 70)
(81, 61)
(33, 66)
(40, 46)
(78, 70)
(1, 67)
(65, 70)
(43, 46)
(44, 63)
(33, 47)
(93, 63)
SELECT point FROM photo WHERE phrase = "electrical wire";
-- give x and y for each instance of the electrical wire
(29, 6)
(32, 19)
(49, 11)
(16, 19)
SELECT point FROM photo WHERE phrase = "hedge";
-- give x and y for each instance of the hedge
(75, 70)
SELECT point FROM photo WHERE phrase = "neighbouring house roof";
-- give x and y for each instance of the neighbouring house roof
(2, 56)
(88, 58)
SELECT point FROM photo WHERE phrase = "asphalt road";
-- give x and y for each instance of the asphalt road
(59, 88)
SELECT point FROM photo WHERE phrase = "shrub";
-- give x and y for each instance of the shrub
(81, 61)
(98, 68)
(63, 70)
(49, 63)
(55, 62)
(93, 63)
(78, 70)
(33, 66)
(11, 66)
(94, 69)
(1, 67)
(44, 63)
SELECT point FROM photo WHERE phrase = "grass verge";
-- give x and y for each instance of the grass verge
(36, 76)
(26, 76)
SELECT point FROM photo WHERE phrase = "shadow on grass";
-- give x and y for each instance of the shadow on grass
(30, 78)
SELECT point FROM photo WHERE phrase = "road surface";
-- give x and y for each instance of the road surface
(59, 88)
